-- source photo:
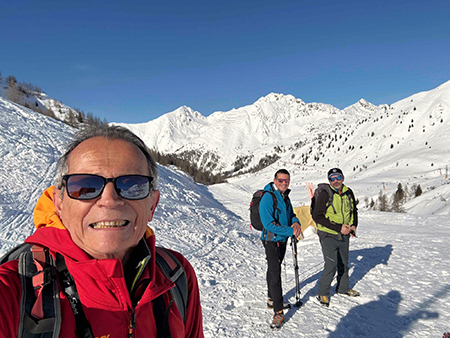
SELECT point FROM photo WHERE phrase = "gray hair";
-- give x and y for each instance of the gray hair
(110, 132)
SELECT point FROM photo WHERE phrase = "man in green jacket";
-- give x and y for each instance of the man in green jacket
(336, 216)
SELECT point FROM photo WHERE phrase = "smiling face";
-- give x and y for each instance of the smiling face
(108, 226)
(282, 182)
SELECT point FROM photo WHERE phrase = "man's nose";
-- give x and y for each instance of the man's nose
(109, 195)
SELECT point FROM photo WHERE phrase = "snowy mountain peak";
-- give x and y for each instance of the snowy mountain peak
(274, 97)
(255, 132)
(185, 113)
(362, 107)
(363, 103)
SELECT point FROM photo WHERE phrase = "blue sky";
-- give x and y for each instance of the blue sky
(132, 61)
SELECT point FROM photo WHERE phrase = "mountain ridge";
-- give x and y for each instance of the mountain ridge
(276, 124)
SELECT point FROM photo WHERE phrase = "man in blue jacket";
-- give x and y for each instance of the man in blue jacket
(279, 224)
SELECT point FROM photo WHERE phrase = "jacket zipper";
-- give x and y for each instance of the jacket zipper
(132, 323)
(132, 316)
(343, 210)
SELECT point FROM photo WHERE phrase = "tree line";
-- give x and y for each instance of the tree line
(23, 93)
(199, 175)
(396, 201)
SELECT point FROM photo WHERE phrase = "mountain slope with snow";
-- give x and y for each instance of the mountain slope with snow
(37, 99)
(248, 133)
(30, 146)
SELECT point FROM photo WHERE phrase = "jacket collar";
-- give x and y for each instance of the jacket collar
(272, 187)
(344, 189)
(135, 272)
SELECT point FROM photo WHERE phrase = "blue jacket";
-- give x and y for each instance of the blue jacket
(277, 225)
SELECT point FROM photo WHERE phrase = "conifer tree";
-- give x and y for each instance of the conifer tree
(398, 199)
(383, 204)
(418, 191)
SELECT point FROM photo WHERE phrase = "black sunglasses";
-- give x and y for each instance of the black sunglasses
(89, 186)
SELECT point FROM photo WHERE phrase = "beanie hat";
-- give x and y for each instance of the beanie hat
(335, 171)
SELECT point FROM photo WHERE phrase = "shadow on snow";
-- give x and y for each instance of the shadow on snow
(380, 317)
(362, 261)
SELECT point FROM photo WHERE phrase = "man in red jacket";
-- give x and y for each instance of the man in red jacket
(96, 217)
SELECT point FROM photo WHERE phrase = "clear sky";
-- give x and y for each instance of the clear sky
(132, 61)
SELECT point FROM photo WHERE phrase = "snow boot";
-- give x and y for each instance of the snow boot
(324, 300)
(351, 293)
(270, 305)
(278, 320)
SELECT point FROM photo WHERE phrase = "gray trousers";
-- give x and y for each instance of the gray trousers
(335, 254)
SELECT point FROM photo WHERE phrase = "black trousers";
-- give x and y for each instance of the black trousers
(275, 252)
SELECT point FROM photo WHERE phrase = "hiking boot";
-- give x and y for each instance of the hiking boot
(351, 293)
(324, 300)
(270, 304)
(278, 320)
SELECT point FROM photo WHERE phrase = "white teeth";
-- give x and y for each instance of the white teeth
(108, 224)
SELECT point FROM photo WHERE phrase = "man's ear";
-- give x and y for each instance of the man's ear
(155, 201)
(57, 201)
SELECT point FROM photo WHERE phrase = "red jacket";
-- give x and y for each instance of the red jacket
(101, 286)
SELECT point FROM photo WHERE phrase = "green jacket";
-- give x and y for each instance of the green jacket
(330, 217)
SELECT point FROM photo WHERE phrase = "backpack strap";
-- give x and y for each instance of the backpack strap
(330, 193)
(40, 309)
(40, 315)
(355, 209)
(69, 289)
(15, 252)
(174, 271)
(275, 203)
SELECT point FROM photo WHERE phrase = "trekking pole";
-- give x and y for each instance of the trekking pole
(298, 302)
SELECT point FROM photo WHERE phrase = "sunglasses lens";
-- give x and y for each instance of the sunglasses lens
(133, 187)
(334, 178)
(84, 187)
(282, 180)
(88, 187)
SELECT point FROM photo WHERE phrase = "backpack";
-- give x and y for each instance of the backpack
(254, 208)
(319, 189)
(327, 188)
(40, 309)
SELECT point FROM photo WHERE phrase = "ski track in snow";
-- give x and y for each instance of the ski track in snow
(399, 262)
(30, 146)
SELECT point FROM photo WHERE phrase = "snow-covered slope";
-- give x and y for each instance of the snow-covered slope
(30, 145)
(398, 262)
(38, 100)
